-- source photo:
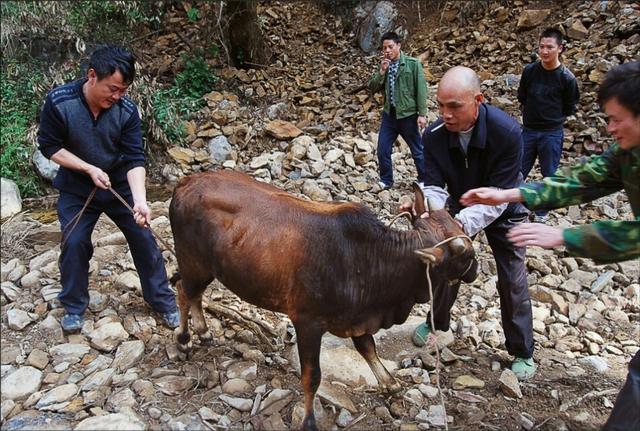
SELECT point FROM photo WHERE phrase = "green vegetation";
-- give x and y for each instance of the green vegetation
(19, 106)
(43, 44)
(173, 106)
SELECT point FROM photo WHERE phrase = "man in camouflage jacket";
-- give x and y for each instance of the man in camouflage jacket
(603, 241)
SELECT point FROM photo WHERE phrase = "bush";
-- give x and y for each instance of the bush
(171, 107)
(19, 107)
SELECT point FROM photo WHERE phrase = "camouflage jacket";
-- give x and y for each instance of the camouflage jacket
(603, 241)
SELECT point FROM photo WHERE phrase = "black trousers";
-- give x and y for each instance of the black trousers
(626, 411)
(78, 250)
(515, 303)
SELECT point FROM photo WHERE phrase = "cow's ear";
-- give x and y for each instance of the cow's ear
(419, 200)
(431, 255)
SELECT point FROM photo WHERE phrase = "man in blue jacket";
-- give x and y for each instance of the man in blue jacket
(93, 132)
(471, 144)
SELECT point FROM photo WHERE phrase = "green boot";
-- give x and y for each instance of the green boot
(523, 368)
(421, 334)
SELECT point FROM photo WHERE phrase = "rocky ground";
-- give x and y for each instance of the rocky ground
(305, 124)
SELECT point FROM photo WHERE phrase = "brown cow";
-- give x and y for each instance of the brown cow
(329, 266)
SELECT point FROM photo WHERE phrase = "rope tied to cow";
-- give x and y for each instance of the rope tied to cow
(432, 322)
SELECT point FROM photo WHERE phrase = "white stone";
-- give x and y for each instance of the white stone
(107, 337)
(10, 201)
(68, 352)
(596, 362)
(57, 395)
(21, 383)
(128, 354)
(18, 319)
(113, 422)
(128, 280)
(101, 378)
(242, 404)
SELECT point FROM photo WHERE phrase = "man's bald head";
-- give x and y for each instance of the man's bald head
(462, 78)
(459, 98)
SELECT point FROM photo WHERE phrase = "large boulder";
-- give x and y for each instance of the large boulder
(378, 20)
(46, 168)
(10, 200)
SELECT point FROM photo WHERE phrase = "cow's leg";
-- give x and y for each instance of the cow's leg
(366, 346)
(309, 340)
(199, 324)
(182, 335)
(190, 299)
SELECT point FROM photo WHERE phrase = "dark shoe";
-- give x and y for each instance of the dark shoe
(171, 319)
(72, 322)
(421, 334)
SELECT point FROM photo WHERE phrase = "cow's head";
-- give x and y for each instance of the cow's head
(452, 259)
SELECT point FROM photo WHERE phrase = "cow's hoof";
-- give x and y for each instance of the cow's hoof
(206, 339)
(183, 340)
(185, 348)
(393, 388)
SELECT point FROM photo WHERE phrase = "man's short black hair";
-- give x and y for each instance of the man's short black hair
(106, 59)
(554, 33)
(390, 35)
(622, 83)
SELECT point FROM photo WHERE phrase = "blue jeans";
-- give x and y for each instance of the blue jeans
(390, 128)
(78, 250)
(546, 145)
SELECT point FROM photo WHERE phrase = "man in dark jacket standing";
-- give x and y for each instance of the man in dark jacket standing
(471, 144)
(548, 93)
(93, 132)
(405, 106)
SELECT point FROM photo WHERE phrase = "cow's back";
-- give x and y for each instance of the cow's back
(252, 236)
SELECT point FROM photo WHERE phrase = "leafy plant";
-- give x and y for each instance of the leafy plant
(193, 14)
(197, 77)
(19, 106)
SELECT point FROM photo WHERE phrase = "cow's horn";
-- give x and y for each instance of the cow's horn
(457, 246)
(432, 204)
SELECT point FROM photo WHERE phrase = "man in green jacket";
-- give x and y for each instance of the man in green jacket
(405, 106)
(603, 241)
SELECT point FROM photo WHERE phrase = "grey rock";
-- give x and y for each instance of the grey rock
(10, 200)
(128, 354)
(509, 384)
(21, 383)
(174, 385)
(597, 363)
(604, 280)
(38, 359)
(10, 290)
(46, 168)
(243, 370)
(107, 337)
(98, 379)
(114, 421)
(344, 418)
(275, 401)
(35, 420)
(31, 280)
(18, 319)
(124, 398)
(241, 404)
(219, 149)
(236, 386)
(57, 395)
(380, 20)
(68, 352)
